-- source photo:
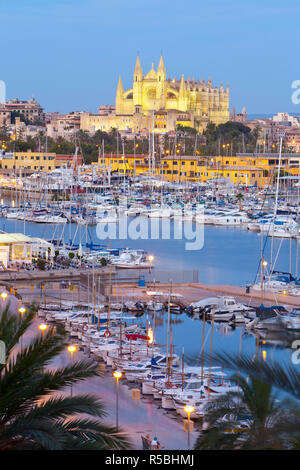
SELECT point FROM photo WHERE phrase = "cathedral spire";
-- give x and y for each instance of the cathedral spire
(120, 89)
(138, 68)
(182, 88)
(161, 66)
(233, 113)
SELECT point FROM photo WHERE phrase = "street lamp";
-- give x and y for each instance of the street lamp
(150, 259)
(43, 327)
(189, 409)
(72, 348)
(22, 310)
(4, 295)
(117, 375)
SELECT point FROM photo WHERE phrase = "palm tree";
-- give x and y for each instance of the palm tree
(282, 376)
(251, 418)
(33, 412)
(240, 198)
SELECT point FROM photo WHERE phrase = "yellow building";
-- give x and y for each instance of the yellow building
(269, 162)
(204, 169)
(155, 101)
(126, 164)
(31, 162)
(183, 169)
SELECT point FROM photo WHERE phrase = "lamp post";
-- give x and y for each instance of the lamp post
(117, 375)
(189, 409)
(4, 296)
(72, 348)
(150, 259)
(22, 310)
(43, 327)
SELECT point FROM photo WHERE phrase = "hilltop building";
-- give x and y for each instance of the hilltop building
(162, 103)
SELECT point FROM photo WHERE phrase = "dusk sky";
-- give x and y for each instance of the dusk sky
(68, 54)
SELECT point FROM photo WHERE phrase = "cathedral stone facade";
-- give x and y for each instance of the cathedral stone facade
(160, 103)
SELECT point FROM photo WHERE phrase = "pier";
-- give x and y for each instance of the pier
(109, 282)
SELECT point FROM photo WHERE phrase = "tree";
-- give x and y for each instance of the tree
(34, 414)
(251, 418)
(103, 261)
(41, 263)
(71, 255)
(240, 198)
(282, 376)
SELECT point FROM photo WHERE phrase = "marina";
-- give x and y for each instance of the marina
(149, 230)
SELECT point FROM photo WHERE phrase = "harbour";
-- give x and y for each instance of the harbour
(149, 230)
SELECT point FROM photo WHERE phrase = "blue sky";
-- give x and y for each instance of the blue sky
(69, 53)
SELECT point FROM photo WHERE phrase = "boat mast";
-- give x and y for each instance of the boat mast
(275, 206)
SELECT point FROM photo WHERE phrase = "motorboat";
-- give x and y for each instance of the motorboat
(223, 308)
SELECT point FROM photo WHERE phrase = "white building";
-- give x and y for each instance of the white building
(18, 248)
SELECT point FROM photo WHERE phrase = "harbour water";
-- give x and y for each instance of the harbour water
(229, 256)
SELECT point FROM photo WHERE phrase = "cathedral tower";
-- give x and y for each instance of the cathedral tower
(137, 83)
(161, 84)
(119, 97)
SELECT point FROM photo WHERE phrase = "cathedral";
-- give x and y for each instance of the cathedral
(161, 103)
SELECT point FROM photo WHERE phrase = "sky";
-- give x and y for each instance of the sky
(68, 54)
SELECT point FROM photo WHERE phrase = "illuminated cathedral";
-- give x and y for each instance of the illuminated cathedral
(161, 103)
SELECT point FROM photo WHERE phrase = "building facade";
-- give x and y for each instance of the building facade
(31, 109)
(183, 169)
(158, 102)
(32, 162)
